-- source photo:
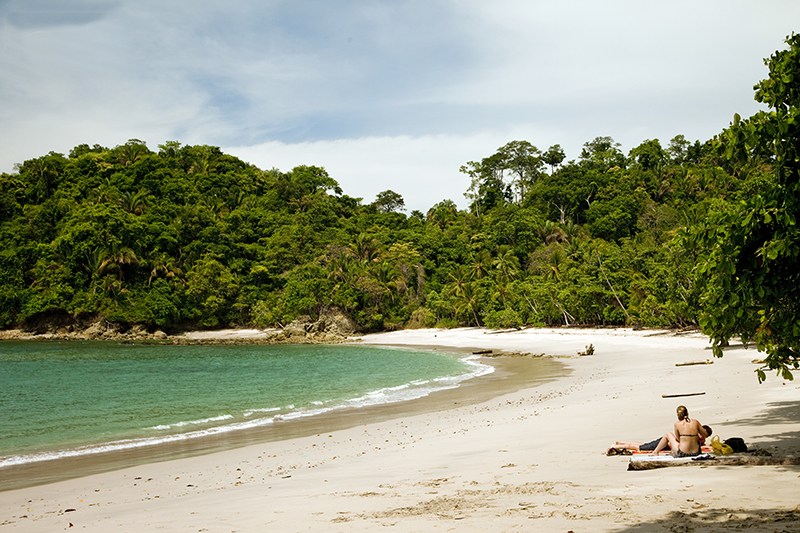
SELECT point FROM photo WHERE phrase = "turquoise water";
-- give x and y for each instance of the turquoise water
(63, 399)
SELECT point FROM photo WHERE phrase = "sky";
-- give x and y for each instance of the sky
(386, 95)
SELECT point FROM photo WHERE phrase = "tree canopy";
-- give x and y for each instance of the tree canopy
(188, 236)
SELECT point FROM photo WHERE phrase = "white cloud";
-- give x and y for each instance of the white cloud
(424, 170)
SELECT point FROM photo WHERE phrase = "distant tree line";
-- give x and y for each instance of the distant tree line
(190, 236)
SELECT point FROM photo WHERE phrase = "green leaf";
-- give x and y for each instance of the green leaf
(772, 253)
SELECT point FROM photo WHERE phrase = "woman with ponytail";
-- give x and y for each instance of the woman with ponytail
(684, 442)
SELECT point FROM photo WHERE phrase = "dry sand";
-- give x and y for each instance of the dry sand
(531, 460)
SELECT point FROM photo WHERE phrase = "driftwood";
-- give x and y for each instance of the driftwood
(680, 395)
(482, 352)
(589, 350)
(738, 460)
(498, 331)
(690, 363)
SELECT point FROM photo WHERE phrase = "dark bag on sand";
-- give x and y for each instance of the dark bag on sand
(737, 444)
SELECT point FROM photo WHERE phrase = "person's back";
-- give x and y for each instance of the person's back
(688, 431)
(685, 441)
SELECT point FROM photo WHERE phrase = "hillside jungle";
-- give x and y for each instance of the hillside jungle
(187, 236)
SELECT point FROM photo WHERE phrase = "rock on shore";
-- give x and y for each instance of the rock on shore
(332, 326)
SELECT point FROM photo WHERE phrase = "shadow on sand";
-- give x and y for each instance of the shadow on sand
(776, 413)
(722, 520)
(784, 414)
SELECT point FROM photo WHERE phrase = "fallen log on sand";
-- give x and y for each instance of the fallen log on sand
(690, 363)
(738, 460)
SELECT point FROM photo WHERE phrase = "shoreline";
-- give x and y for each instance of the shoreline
(509, 374)
(530, 458)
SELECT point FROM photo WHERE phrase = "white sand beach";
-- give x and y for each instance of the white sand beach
(531, 460)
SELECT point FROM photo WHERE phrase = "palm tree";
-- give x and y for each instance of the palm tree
(164, 266)
(113, 287)
(506, 269)
(480, 263)
(387, 277)
(340, 268)
(105, 192)
(459, 277)
(95, 263)
(603, 271)
(506, 265)
(442, 213)
(215, 205)
(116, 258)
(44, 173)
(202, 165)
(134, 203)
(11, 183)
(467, 303)
(551, 232)
(559, 306)
(572, 231)
(131, 151)
(365, 248)
(557, 260)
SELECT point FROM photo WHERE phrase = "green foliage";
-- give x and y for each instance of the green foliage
(748, 269)
(160, 304)
(506, 175)
(306, 290)
(553, 157)
(211, 287)
(504, 318)
(422, 317)
(602, 154)
(649, 155)
(388, 201)
(190, 235)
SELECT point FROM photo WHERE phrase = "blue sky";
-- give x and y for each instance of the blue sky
(385, 95)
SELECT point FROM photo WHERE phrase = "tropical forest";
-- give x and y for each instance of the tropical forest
(673, 233)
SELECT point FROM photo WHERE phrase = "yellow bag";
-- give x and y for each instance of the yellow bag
(720, 448)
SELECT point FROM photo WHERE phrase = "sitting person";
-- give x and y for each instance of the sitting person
(650, 446)
(684, 442)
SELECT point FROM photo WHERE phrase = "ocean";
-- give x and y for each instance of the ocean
(74, 400)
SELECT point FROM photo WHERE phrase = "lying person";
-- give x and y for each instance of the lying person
(650, 446)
